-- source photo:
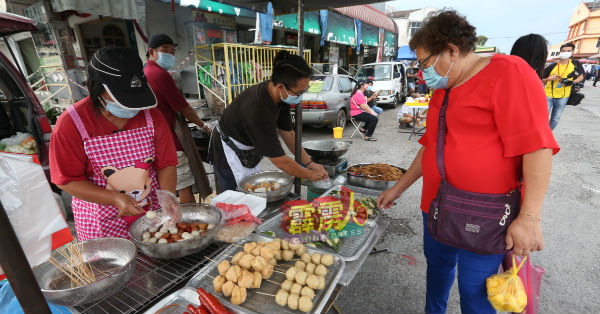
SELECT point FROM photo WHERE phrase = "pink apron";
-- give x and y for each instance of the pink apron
(122, 162)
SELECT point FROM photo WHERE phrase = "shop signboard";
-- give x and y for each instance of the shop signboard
(340, 29)
(215, 7)
(290, 21)
(388, 44)
(210, 28)
(370, 35)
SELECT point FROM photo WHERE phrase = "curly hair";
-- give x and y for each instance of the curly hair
(443, 28)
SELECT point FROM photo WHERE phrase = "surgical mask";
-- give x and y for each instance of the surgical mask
(166, 60)
(369, 87)
(565, 55)
(292, 100)
(119, 111)
(433, 79)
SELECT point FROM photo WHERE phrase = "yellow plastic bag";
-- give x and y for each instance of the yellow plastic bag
(506, 292)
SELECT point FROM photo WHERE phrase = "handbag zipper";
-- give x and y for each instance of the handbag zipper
(475, 203)
(482, 215)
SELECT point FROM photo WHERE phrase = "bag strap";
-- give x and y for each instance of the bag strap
(441, 137)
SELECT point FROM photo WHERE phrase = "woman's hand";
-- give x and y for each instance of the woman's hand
(388, 197)
(524, 236)
(126, 205)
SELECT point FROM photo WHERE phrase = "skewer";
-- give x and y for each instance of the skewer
(273, 282)
(272, 295)
(212, 260)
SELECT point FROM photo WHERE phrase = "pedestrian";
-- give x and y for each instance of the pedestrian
(596, 74)
(251, 125)
(161, 59)
(411, 76)
(406, 116)
(113, 150)
(559, 77)
(359, 110)
(533, 48)
(372, 97)
(486, 150)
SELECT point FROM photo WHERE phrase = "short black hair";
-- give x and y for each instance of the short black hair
(567, 45)
(533, 48)
(443, 28)
(289, 68)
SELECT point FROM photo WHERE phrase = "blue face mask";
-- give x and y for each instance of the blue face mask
(292, 100)
(433, 79)
(119, 111)
(369, 87)
(166, 60)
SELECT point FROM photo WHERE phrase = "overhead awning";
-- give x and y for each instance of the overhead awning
(340, 29)
(370, 35)
(311, 22)
(291, 6)
(369, 15)
(389, 44)
(12, 23)
(128, 10)
(404, 53)
(215, 7)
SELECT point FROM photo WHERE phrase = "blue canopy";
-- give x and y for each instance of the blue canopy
(404, 53)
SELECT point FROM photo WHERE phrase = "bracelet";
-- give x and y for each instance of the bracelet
(532, 216)
(308, 163)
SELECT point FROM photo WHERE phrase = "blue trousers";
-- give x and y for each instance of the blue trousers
(225, 179)
(377, 110)
(556, 106)
(473, 269)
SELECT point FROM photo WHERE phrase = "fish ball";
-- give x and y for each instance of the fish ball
(237, 257)
(273, 261)
(248, 247)
(305, 304)
(267, 252)
(246, 280)
(301, 250)
(316, 258)
(163, 241)
(238, 295)
(246, 261)
(267, 271)
(287, 255)
(296, 288)
(164, 229)
(292, 301)
(306, 258)
(313, 281)
(295, 246)
(153, 229)
(158, 234)
(291, 273)
(278, 255)
(223, 267)
(310, 268)
(327, 259)
(218, 284)
(322, 283)
(300, 265)
(152, 240)
(287, 285)
(256, 250)
(257, 280)
(285, 245)
(281, 297)
(146, 235)
(258, 263)
(233, 273)
(228, 288)
(321, 270)
(300, 277)
(274, 244)
(195, 233)
(307, 291)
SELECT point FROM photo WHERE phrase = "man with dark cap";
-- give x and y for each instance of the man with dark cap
(161, 59)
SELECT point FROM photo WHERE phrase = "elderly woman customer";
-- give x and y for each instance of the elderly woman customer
(477, 160)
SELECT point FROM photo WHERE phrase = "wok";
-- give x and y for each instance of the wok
(326, 149)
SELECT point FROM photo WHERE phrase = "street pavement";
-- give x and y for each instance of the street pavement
(394, 281)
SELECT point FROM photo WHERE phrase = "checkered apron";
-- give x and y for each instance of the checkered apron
(119, 150)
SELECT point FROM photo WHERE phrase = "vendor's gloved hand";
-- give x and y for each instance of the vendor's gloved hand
(169, 206)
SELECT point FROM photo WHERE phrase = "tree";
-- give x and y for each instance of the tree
(481, 40)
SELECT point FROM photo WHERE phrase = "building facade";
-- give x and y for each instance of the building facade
(409, 21)
(584, 30)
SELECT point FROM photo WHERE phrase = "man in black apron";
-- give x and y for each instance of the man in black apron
(250, 125)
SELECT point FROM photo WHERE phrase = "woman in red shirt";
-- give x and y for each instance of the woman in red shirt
(497, 136)
(112, 150)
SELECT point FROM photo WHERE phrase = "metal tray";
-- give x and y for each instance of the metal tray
(181, 298)
(358, 192)
(260, 303)
(379, 185)
(350, 248)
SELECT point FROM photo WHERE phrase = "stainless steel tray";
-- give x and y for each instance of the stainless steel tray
(181, 298)
(379, 185)
(350, 248)
(260, 303)
(358, 192)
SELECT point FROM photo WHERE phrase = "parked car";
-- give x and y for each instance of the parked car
(327, 101)
(390, 78)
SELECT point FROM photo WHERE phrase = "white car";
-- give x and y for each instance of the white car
(390, 78)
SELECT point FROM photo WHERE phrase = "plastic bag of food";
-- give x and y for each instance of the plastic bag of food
(506, 292)
(22, 143)
(169, 205)
(531, 275)
(238, 222)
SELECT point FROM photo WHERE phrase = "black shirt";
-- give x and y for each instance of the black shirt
(253, 119)
(412, 71)
(368, 94)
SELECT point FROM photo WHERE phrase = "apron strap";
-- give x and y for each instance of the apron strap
(441, 137)
(78, 123)
(149, 122)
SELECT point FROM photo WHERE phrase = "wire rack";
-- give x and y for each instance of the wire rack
(151, 281)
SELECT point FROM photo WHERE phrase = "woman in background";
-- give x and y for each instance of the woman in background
(532, 48)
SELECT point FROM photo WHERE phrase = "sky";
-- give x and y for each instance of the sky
(503, 21)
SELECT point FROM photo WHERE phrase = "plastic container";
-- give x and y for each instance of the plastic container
(338, 132)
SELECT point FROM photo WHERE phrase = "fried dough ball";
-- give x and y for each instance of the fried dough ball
(310, 268)
(259, 263)
(296, 288)
(281, 297)
(287, 285)
(287, 255)
(278, 255)
(327, 259)
(228, 288)
(267, 271)
(308, 292)
(256, 250)
(321, 270)
(248, 247)
(223, 267)
(257, 280)
(305, 304)
(313, 281)
(218, 283)
(305, 258)
(233, 273)
(236, 258)
(316, 258)
(274, 244)
(273, 261)
(301, 250)
(292, 301)
(322, 283)
(300, 277)
(300, 265)
(267, 252)
(285, 245)
(291, 273)
(295, 246)
(246, 280)
(246, 261)
(238, 296)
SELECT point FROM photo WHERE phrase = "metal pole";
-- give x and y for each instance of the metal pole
(17, 270)
(15, 58)
(298, 147)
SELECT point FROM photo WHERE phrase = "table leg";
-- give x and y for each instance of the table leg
(414, 131)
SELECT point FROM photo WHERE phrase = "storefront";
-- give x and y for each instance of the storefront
(285, 32)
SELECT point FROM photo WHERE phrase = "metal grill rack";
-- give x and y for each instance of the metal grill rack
(151, 281)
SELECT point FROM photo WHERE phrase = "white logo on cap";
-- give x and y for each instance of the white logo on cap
(135, 82)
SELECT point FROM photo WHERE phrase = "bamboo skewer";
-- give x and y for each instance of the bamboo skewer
(271, 295)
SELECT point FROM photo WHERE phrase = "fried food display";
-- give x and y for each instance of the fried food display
(266, 186)
(378, 171)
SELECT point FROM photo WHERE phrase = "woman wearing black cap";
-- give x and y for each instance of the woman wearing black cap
(250, 126)
(112, 151)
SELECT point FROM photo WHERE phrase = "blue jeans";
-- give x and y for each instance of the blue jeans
(556, 106)
(473, 270)
(377, 109)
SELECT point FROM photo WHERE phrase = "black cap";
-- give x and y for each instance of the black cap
(362, 81)
(158, 40)
(121, 72)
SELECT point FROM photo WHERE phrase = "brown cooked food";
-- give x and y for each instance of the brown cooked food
(377, 171)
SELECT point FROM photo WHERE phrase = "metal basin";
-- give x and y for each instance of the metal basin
(189, 213)
(113, 257)
(326, 149)
(370, 183)
(286, 181)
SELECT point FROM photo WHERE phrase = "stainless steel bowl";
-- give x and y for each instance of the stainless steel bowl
(189, 213)
(379, 185)
(326, 149)
(280, 177)
(113, 257)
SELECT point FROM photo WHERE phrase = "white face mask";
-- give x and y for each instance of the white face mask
(565, 55)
